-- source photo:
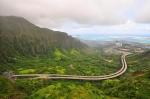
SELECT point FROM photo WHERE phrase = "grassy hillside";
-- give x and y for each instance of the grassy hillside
(19, 36)
(138, 63)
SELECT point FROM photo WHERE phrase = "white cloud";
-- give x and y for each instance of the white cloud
(143, 14)
(92, 12)
(83, 16)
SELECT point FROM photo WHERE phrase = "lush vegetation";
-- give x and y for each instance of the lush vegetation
(9, 90)
(71, 62)
(27, 49)
(20, 37)
(127, 87)
(63, 62)
(139, 63)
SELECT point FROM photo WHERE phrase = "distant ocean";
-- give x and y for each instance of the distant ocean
(140, 39)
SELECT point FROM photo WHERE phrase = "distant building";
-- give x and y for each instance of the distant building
(138, 50)
(118, 44)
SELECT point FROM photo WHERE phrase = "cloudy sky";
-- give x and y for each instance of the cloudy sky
(84, 17)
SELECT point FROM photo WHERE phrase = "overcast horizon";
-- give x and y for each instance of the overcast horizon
(84, 17)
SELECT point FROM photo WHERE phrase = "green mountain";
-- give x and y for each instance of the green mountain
(19, 36)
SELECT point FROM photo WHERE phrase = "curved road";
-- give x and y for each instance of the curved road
(75, 77)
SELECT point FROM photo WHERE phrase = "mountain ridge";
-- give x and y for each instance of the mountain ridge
(19, 36)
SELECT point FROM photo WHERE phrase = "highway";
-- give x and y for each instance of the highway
(76, 77)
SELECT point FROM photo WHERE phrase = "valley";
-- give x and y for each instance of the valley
(39, 63)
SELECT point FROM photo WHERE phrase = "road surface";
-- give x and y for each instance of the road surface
(76, 77)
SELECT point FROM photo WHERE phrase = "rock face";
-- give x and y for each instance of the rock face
(19, 36)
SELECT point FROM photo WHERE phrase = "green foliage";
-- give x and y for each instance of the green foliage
(74, 52)
(3, 68)
(60, 70)
(30, 86)
(6, 86)
(139, 62)
(67, 63)
(58, 55)
(8, 89)
(68, 91)
(132, 87)
(110, 83)
(27, 71)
